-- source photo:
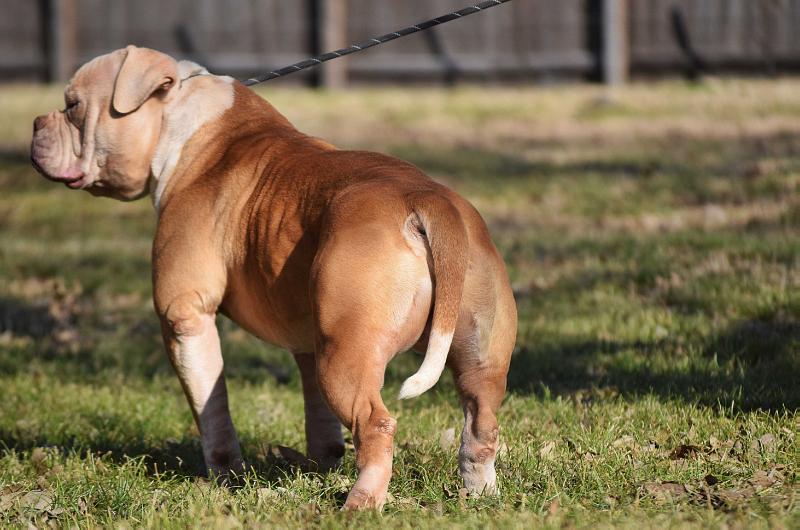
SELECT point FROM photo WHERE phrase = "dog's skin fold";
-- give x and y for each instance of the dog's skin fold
(345, 258)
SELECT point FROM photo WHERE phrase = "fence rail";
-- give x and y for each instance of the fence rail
(524, 39)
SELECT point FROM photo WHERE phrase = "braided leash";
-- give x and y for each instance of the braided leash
(319, 59)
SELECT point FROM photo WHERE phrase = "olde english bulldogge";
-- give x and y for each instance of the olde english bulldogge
(345, 258)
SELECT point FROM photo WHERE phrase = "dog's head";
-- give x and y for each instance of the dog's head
(105, 138)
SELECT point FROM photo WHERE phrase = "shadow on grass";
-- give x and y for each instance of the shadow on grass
(181, 459)
(81, 344)
(691, 163)
(24, 318)
(753, 365)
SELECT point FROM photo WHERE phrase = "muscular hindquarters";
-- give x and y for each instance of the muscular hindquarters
(371, 295)
(367, 279)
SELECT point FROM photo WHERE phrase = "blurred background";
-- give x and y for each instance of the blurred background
(600, 40)
(638, 165)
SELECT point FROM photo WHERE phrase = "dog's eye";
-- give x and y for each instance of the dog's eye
(72, 107)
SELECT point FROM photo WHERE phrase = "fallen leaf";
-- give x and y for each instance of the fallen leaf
(447, 439)
(775, 473)
(55, 470)
(734, 496)
(266, 493)
(554, 507)
(651, 447)
(7, 498)
(546, 450)
(762, 480)
(684, 451)
(54, 512)
(624, 441)
(767, 441)
(664, 491)
(692, 434)
(38, 500)
(38, 455)
(447, 493)
(406, 502)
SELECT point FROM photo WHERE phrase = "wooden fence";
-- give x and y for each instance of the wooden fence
(524, 39)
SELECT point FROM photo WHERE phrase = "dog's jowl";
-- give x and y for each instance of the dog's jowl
(345, 258)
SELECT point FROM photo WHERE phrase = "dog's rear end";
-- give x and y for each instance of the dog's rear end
(402, 256)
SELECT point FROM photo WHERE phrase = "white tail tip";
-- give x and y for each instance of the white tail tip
(431, 369)
(414, 386)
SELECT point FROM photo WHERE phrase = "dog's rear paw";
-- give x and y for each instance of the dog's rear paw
(361, 499)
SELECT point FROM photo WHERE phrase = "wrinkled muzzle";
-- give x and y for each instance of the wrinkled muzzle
(54, 150)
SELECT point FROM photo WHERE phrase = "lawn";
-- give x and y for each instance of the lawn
(652, 235)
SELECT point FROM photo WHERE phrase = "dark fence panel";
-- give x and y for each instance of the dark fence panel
(227, 36)
(22, 46)
(524, 39)
(715, 35)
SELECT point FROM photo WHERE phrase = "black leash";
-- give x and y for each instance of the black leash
(319, 59)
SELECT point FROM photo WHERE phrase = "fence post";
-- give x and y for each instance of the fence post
(334, 36)
(616, 45)
(60, 40)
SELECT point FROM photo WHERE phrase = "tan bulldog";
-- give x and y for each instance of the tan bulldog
(345, 258)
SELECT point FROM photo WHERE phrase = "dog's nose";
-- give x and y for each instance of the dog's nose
(39, 122)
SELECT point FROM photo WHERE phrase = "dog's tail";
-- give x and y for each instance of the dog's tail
(447, 240)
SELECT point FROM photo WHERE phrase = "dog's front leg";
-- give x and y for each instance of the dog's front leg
(193, 346)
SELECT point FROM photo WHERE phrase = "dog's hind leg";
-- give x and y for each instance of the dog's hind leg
(372, 295)
(350, 378)
(479, 360)
(324, 442)
(481, 392)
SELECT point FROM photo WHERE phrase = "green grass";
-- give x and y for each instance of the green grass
(652, 236)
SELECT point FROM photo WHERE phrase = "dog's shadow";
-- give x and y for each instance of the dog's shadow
(763, 351)
(175, 459)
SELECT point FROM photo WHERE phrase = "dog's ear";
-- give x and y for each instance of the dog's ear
(143, 73)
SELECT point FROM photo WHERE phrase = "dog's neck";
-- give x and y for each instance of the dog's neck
(200, 98)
